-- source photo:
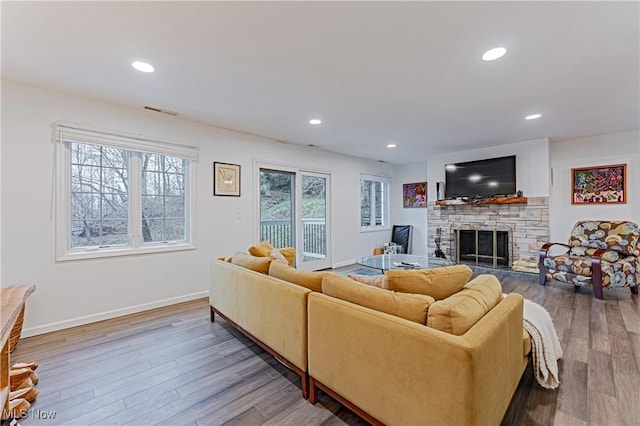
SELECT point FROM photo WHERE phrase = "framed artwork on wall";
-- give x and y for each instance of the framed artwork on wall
(599, 184)
(226, 179)
(414, 195)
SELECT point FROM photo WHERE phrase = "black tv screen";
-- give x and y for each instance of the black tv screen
(492, 177)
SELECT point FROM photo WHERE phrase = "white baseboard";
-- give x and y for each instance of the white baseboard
(74, 322)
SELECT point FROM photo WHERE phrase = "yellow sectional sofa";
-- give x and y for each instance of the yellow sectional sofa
(394, 371)
(270, 311)
(370, 348)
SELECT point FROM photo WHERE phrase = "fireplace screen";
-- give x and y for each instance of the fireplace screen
(483, 246)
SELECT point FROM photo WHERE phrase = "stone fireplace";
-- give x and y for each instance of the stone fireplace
(498, 235)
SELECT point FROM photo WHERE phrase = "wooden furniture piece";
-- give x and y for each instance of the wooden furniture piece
(13, 299)
(472, 201)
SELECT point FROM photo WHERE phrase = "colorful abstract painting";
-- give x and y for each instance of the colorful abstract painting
(414, 194)
(599, 185)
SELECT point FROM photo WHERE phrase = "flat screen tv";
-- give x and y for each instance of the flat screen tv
(492, 177)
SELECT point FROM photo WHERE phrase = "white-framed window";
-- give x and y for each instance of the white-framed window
(374, 202)
(119, 194)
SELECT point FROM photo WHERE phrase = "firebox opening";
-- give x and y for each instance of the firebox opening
(477, 246)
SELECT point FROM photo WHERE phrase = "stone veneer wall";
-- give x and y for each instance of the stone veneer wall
(529, 222)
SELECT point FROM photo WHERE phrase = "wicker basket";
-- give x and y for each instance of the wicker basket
(16, 331)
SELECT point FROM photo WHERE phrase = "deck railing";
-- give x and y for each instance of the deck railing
(314, 231)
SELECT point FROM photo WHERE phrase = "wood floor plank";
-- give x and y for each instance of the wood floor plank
(203, 405)
(634, 341)
(97, 416)
(600, 374)
(229, 409)
(627, 382)
(630, 316)
(299, 413)
(599, 333)
(603, 409)
(578, 345)
(572, 393)
(226, 372)
(563, 419)
(270, 407)
(141, 411)
(250, 416)
(172, 365)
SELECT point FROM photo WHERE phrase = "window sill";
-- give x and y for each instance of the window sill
(378, 229)
(122, 251)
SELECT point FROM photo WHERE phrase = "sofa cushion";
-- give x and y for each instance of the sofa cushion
(310, 280)
(289, 253)
(459, 312)
(258, 264)
(438, 283)
(412, 307)
(379, 281)
(261, 250)
(265, 248)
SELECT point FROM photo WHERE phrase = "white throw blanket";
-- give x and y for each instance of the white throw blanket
(545, 344)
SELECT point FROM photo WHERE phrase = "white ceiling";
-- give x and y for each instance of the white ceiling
(408, 73)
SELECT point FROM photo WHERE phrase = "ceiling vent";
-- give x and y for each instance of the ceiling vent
(164, 111)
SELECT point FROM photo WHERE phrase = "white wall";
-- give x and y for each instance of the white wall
(77, 292)
(409, 173)
(599, 150)
(532, 165)
(1, 282)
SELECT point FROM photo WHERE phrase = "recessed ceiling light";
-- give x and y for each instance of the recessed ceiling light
(533, 116)
(143, 66)
(391, 145)
(315, 121)
(493, 54)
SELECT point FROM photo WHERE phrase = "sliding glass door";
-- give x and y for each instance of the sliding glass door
(315, 224)
(277, 214)
(294, 212)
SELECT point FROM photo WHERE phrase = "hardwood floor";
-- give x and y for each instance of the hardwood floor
(172, 366)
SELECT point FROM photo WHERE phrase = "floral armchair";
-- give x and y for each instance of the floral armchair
(600, 253)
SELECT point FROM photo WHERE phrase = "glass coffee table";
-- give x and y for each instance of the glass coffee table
(384, 262)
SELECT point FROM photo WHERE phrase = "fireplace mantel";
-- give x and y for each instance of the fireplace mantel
(475, 202)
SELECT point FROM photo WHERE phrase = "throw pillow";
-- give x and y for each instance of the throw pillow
(310, 280)
(379, 281)
(459, 312)
(278, 257)
(412, 307)
(290, 254)
(438, 283)
(261, 250)
(258, 264)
